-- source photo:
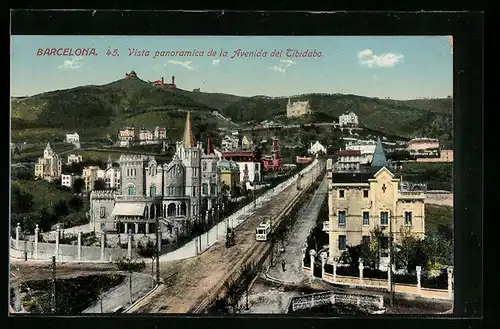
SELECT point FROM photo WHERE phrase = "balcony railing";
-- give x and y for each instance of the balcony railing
(411, 195)
(326, 226)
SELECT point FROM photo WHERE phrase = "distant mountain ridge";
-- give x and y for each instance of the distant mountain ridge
(124, 100)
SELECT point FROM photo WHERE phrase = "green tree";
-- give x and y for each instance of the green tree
(21, 201)
(99, 184)
(61, 208)
(410, 251)
(75, 203)
(148, 250)
(78, 185)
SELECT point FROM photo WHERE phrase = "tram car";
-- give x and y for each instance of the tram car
(263, 231)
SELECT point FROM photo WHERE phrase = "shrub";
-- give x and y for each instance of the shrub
(127, 265)
(374, 274)
(348, 271)
(438, 282)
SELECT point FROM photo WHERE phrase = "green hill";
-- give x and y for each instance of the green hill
(95, 111)
(431, 118)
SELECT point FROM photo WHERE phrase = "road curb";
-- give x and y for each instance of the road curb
(134, 304)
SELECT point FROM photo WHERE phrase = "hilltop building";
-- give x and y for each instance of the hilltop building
(50, 166)
(73, 139)
(298, 108)
(131, 75)
(316, 148)
(360, 201)
(128, 136)
(161, 83)
(173, 191)
(348, 119)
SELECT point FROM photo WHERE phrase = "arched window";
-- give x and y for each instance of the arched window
(152, 190)
(131, 189)
(205, 188)
(146, 212)
(204, 168)
(152, 212)
(171, 210)
(183, 209)
(213, 189)
(214, 166)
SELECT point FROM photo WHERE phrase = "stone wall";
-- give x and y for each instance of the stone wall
(439, 198)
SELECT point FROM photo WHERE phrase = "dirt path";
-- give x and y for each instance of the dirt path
(188, 282)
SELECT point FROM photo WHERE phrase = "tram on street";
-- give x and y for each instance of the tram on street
(263, 231)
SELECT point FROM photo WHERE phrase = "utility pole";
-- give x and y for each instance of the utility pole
(157, 251)
(152, 272)
(391, 261)
(53, 302)
(26, 246)
(130, 285)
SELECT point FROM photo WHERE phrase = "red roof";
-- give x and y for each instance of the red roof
(348, 153)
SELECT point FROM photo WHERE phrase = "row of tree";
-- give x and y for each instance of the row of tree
(431, 253)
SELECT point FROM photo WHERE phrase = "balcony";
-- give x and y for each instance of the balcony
(326, 226)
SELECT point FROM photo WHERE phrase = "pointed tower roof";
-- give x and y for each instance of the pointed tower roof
(48, 146)
(188, 139)
(379, 160)
(209, 145)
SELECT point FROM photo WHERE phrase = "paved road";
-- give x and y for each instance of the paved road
(119, 297)
(293, 247)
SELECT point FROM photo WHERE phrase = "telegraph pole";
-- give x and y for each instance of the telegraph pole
(158, 245)
(391, 261)
(130, 285)
(53, 303)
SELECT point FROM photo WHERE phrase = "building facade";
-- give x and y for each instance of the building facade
(249, 166)
(316, 148)
(347, 160)
(229, 173)
(68, 180)
(173, 191)
(348, 119)
(298, 108)
(50, 166)
(359, 202)
(366, 147)
(73, 139)
(423, 147)
(73, 158)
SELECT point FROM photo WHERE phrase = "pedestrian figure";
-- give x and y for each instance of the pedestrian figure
(283, 264)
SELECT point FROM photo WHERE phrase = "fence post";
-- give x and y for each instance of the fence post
(79, 246)
(323, 262)
(450, 282)
(361, 267)
(419, 278)
(103, 245)
(312, 254)
(57, 241)
(334, 271)
(35, 247)
(18, 230)
(303, 257)
(129, 245)
(381, 302)
(196, 246)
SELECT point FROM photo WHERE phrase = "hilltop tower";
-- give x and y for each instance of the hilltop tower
(102, 203)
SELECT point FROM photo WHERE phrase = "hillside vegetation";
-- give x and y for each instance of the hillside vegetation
(431, 118)
(95, 111)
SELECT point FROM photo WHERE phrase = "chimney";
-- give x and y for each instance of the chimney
(209, 146)
(162, 83)
(173, 80)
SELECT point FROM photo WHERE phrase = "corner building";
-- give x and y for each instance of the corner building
(360, 201)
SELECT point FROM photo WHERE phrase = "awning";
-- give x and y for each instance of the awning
(129, 209)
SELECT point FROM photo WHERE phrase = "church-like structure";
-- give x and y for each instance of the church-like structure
(185, 189)
(50, 166)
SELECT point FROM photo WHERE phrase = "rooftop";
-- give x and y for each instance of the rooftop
(348, 153)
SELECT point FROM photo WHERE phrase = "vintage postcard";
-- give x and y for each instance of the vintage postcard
(231, 175)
